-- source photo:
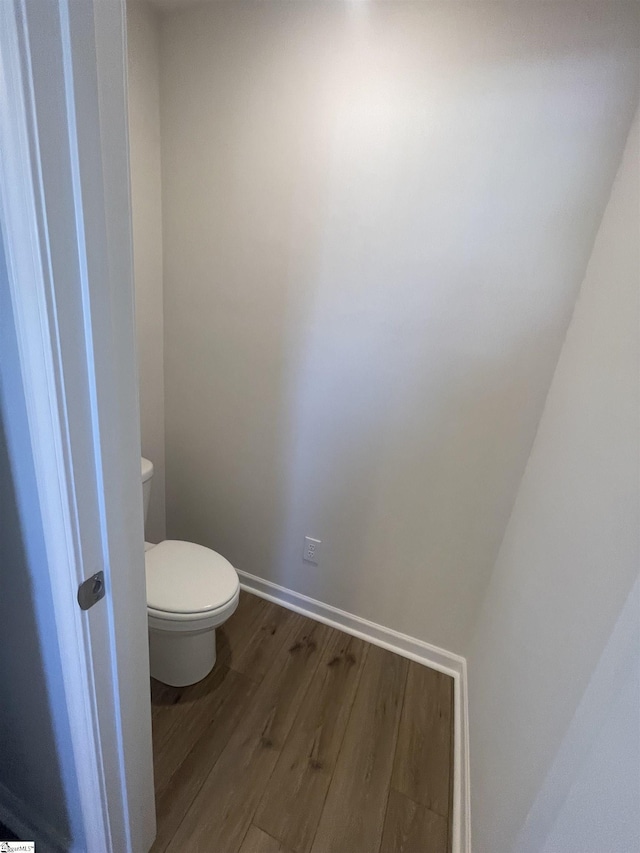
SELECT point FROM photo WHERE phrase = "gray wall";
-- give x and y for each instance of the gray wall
(598, 770)
(549, 676)
(376, 220)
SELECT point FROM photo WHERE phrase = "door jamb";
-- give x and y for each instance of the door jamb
(115, 797)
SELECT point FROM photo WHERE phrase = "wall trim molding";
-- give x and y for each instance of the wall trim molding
(409, 647)
(17, 817)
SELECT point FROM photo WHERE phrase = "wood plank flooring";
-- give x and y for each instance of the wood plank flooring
(303, 740)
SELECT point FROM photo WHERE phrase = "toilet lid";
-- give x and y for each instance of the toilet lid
(183, 577)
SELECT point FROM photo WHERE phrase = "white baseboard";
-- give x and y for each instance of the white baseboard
(409, 647)
(17, 817)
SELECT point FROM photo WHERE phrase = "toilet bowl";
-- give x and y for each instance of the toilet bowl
(191, 590)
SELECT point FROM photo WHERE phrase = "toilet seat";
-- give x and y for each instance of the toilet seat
(161, 620)
(187, 583)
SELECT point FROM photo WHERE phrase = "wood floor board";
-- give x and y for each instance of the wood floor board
(270, 633)
(196, 719)
(238, 631)
(173, 704)
(161, 694)
(413, 828)
(257, 841)
(175, 794)
(303, 739)
(422, 767)
(353, 815)
(291, 806)
(223, 809)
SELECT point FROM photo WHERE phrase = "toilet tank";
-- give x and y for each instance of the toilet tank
(147, 474)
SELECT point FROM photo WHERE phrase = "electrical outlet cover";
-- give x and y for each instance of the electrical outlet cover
(311, 553)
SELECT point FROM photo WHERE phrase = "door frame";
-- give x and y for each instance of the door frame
(66, 224)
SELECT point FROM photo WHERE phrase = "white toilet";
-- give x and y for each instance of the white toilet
(190, 591)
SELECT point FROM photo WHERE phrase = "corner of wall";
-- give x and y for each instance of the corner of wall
(143, 37)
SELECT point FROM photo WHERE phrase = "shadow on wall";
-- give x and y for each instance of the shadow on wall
(35, 747)
(376, 221)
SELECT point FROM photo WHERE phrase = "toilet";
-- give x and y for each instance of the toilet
(191, 590)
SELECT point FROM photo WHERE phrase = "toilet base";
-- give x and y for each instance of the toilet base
(181, 658)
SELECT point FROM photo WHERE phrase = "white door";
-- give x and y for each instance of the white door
(64, 206)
